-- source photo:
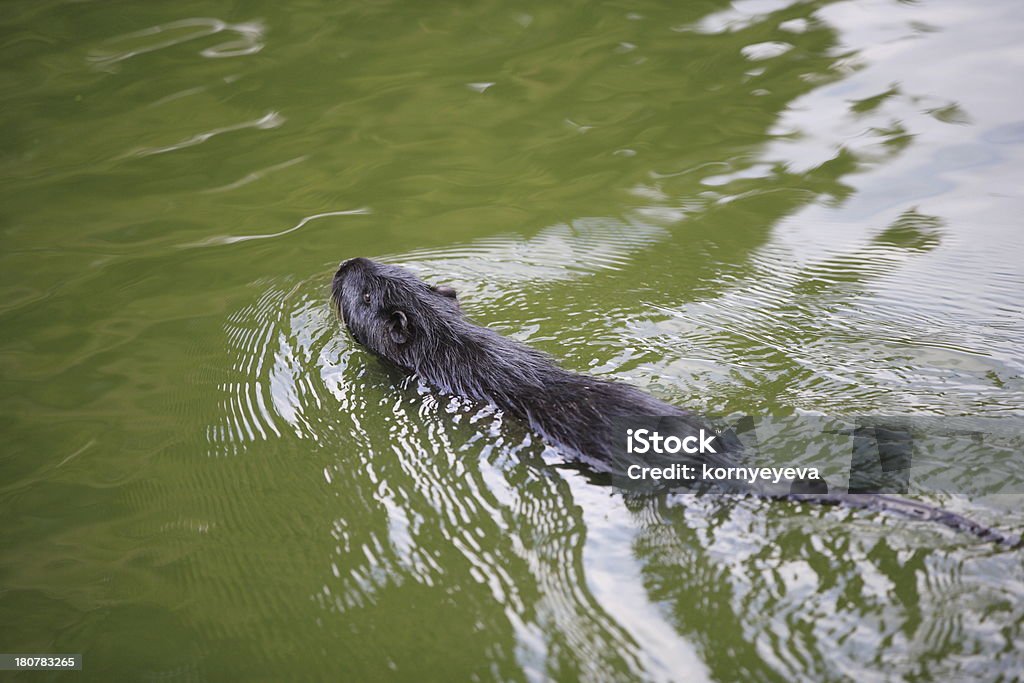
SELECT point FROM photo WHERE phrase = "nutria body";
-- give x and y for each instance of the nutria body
(421, 329)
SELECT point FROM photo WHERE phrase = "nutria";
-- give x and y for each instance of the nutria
(421, 329)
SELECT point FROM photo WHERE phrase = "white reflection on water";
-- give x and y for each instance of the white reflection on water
(234, 239)
(266, 122)
(249, 40)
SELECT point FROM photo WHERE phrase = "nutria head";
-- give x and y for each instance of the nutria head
(391, 311)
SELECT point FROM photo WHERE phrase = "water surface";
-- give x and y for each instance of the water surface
(763, 207)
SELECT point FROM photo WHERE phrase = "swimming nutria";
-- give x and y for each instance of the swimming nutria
(421, 329)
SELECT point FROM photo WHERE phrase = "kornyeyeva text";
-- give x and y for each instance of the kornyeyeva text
(709, 473)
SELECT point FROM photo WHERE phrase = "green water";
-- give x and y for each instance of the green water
(763, 207)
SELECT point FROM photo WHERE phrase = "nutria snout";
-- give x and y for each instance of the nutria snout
(391, 311)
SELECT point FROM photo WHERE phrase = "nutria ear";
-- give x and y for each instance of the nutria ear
(445, 290)
(399, 327)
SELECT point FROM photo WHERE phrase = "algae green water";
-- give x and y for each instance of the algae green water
(763, 207)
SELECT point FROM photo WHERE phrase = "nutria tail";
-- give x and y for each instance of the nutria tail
(912, 510)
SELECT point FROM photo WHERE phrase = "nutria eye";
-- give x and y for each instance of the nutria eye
(366, 297)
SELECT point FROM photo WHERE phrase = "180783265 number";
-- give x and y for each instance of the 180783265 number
(9, 662)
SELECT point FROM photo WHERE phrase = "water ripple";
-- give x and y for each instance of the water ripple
(248, 40)
(268, 121)
(234, 239)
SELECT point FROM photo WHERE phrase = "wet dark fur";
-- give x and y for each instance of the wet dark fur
(421, 329)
